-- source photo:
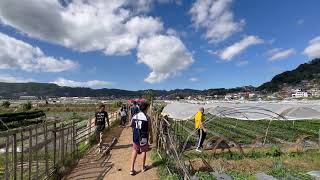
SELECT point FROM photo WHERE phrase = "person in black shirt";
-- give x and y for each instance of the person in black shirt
(101, 117)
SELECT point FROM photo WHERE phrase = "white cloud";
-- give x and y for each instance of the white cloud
(228, 53)
(300, 21)
(193, 79)
(70, 83)
(313, 50)
(216, 18)
(18, 54)
(13, 79)
(110, 26)
(164, 55)
(242, 63)
(278, 53)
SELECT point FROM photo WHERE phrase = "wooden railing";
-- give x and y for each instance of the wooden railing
(40, 151)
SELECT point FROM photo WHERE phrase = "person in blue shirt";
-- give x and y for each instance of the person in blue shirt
(134, 109)
(141, 126)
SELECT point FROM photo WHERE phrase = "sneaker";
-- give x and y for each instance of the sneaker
(199, 150)
(132, 173)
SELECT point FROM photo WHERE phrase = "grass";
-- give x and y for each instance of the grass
(162, 165)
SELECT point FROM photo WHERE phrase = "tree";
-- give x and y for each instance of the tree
(148, 95)
(5, 104)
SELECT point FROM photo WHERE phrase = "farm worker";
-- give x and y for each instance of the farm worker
(100, 123)
(134, 109)
(141, 126)
(123, 116)
(199, 125)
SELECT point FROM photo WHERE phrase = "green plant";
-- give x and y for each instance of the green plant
(5, 104)
(275, 151)
(239, 175)
(173, 177)
(148, 95)
(116, 104)
(27, 106)
(204, 176)
(280, 172)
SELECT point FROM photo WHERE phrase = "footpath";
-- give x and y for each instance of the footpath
(115, 165)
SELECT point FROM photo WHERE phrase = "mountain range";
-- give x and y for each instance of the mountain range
(307, 71)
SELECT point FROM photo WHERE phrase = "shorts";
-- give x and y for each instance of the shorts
(139, 148)
(100, 128)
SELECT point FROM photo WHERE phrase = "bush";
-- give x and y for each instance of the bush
(5, 104)
(27, 106)
(275, 151)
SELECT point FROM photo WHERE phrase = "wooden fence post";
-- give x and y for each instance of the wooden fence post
(30, 153)
(36, 153)
(46, 149)
(72, 139)
(21, 168)
(62, 143)
(14, 150)
(54, 144)
(68, 131)
(7, 175)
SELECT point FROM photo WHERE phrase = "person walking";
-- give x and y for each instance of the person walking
(199, 126)
(101, 117)
(134, 109)
(141, 127)
(123, 116)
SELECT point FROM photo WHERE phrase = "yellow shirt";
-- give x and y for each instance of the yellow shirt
(197, 119)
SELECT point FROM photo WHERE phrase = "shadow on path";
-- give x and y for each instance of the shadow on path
(95, 165)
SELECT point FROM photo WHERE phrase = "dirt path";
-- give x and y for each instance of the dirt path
(116, 165)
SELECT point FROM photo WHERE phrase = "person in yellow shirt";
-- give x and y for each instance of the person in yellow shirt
(199, 119)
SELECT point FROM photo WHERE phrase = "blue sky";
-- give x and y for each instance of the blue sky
(158, 44)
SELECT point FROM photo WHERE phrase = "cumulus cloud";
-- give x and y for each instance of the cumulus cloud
(313, 49)
(228, 53)
(193, 79)
(110, 26)
(216, 18)
(164, 55)
(18, 54)
(13, 79)
(71, 83)
(278, 53)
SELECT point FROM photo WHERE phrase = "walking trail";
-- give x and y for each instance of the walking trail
(115, 165)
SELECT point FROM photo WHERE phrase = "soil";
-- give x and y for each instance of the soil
(114, 166)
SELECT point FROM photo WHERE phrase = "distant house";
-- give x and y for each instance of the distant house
(28, 98)
(209, 97)
(228, 97)
(298, 93)
(252, 95)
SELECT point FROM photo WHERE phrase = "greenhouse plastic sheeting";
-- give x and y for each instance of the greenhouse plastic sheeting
(247, 110)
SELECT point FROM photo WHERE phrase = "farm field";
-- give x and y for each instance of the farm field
(275, 154)
(245, 131)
